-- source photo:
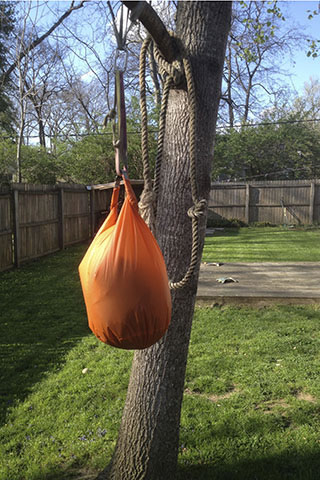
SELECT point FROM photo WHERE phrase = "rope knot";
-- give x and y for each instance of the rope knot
(173, 70)
(198, 209)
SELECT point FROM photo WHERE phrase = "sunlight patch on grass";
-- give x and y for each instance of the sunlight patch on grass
(269, 244)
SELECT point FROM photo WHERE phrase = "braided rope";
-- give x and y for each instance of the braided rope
(144, 114)
(173, 75)
(192, 128)
(161, 133)
(147, 199)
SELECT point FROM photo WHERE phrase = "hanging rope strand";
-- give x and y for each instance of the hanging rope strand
(192, 128)
(199, 206)
(144, 114)
(161, 133)
(147, 199)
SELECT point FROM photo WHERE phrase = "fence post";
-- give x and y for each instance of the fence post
(61, 218)
(92, 215)
(16, 230)
(247, 205)
(312, 198)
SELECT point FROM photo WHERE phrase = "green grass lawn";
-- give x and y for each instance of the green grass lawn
(251, 407)
(257, 244)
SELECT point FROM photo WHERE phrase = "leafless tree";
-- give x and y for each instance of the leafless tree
(28, 64)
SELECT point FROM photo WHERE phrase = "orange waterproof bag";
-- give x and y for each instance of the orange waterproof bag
(124, 279)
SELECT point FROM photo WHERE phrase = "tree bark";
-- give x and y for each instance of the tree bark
(147, 446)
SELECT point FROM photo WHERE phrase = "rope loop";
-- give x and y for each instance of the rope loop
(173, 74)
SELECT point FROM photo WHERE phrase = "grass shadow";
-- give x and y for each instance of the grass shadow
(71, 473)
(226, 232)
(283, 466)
(286, 466)
(43, 317)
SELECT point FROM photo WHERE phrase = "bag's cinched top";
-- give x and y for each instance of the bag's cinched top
(124, 279)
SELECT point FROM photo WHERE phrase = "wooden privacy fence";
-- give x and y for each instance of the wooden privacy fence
(276, 202)
(36, 220)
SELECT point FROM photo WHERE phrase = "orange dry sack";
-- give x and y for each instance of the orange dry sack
(124, 279)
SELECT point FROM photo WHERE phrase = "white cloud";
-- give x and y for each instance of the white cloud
(86, 77)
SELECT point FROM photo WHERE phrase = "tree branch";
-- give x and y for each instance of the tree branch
(148, 17)
(38, 40)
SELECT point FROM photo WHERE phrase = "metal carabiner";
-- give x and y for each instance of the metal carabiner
(121, 60)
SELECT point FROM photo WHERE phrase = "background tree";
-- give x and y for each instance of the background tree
(43, 79)
(258, 39)
(7, 24)
(308, 103)
(147, 445)
(279, 148)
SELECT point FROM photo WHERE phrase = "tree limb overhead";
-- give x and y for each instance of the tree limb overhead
(143, 11)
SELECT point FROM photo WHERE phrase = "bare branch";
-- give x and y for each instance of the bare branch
(263, 87)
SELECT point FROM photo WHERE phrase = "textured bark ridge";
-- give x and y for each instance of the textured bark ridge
(147, 446)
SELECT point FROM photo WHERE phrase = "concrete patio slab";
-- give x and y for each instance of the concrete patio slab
(260, 283)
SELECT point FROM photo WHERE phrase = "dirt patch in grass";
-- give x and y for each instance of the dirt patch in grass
(306, 397)
(211, 396)
(272, 405)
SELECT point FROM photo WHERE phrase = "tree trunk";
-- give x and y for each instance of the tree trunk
(147, 446)
(247, 101)
(42, 136)
(19, 144)
(229, 93)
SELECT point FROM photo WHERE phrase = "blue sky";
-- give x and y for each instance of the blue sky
(304, 66)
(295, 12)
